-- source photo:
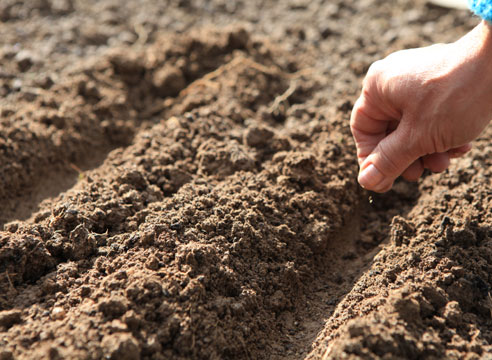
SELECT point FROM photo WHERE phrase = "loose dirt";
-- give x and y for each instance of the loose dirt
(178, 180)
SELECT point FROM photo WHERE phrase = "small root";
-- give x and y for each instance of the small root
(279, 100)
(142, 33)
(241, 60)
(10, 281)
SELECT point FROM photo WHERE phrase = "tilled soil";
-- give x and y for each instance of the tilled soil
(178, 180)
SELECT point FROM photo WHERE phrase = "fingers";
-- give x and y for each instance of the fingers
(392, 157)
(414, 171)
(384, 149)
(382, 152)
(434, 162)
(459, 151)
(437, 162)
(366, 129)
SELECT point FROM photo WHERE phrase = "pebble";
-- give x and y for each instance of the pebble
(58, 313)
(24, 60)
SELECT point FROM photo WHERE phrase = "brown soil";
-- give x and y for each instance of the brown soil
(178, 180)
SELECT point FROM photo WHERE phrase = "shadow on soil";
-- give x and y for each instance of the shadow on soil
(50, 183)
(348, 257)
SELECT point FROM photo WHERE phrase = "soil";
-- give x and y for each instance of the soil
(178, 180)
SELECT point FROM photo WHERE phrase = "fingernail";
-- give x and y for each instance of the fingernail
(370, 177)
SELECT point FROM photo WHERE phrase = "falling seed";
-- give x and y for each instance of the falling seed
(371, 200)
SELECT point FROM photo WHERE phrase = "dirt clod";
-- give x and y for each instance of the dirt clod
(8, 318)
(121, 346)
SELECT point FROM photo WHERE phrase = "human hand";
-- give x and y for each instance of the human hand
(419, 108)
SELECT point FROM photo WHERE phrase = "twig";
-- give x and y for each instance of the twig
(10, 281)
(327, 353)
(284, 97)
(246, 61)
(143, 35)
(34, 249)
(211, 75)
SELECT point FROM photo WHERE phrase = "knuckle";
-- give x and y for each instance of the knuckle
(357, 116)
(373, 74)
(354, 117)
(414, 144)
(375, 68)
(390, 165)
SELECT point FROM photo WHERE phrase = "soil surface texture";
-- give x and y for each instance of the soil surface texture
(178, 181)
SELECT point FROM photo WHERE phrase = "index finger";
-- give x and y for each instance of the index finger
(369, 126)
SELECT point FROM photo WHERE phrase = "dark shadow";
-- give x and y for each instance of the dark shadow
(347, 257)
(51, 182)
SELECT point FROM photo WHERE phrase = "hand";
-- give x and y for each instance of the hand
(419, 108)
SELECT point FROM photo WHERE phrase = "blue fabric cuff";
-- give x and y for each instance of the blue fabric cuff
(482, 8)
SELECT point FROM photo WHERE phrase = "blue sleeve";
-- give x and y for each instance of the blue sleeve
(482, 8)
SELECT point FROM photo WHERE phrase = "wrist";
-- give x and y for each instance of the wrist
(484, 51)
(486, 35)
(476, 47)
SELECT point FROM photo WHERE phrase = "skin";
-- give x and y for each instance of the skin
(419, 108)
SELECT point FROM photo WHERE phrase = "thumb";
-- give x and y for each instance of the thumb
(389, 159)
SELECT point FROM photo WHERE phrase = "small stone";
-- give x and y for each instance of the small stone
(58, 313)
(17, 84)
(24, 60)
(356, 330)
